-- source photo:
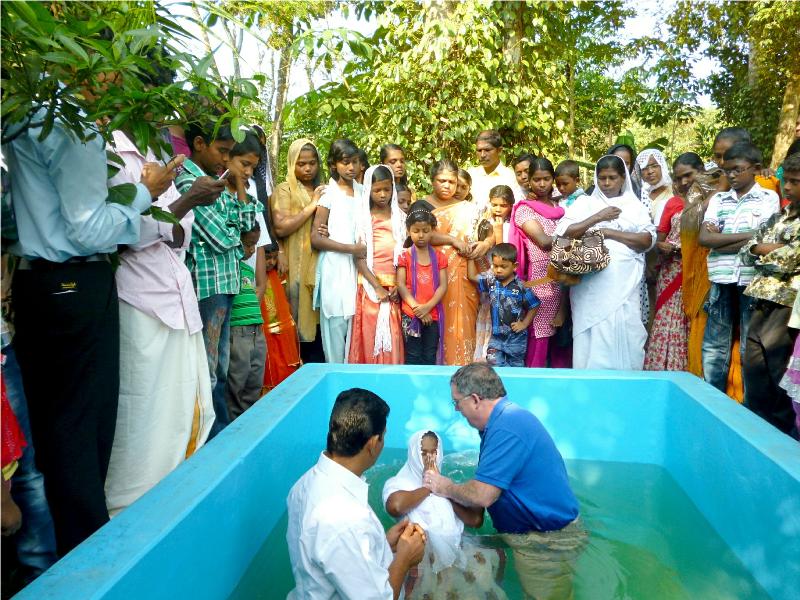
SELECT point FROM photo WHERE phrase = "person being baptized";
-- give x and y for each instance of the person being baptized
(452, 567)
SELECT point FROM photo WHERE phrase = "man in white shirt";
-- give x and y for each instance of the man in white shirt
(492, 171)
(337, 545)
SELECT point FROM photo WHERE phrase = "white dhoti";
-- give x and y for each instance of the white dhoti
(165, 410)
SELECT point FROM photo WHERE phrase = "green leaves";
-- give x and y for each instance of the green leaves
(52, 59)
(124, 193)
(159, 214)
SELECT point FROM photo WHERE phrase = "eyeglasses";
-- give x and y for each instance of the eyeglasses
(650, 168)
(735, 172)
(457, 401)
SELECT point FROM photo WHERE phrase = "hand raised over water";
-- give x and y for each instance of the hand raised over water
(429, 463)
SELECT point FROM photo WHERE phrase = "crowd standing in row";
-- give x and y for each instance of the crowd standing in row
(128, 371)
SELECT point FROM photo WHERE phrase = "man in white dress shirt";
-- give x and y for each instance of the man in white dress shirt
(491, 171)
(337, 545)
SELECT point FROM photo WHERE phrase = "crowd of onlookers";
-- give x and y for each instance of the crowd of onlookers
(129, 341)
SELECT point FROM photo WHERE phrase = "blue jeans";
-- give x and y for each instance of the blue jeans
(507, 350)
(36, 539)
(725, 305)
(215, 311)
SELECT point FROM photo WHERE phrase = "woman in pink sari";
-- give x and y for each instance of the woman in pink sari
(533, 225)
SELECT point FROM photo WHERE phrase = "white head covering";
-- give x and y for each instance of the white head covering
(600, 295)
(627, 187)
(383, 334)
(666, 180)
(434, 514)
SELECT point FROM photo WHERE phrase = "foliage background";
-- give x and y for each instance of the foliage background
(563, 79)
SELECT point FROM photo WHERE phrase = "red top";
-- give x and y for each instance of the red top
(673, 205)
(425, 289)
(12, 440)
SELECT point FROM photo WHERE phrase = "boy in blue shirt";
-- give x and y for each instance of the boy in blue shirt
(513, 307)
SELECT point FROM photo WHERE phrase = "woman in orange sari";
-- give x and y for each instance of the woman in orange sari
(457, 230)
(376, 335)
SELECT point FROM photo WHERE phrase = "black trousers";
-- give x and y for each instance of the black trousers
(311, 352)
(67, 343)
(421, 350)
(769, 347)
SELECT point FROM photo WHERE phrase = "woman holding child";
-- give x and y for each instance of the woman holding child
(607, 328)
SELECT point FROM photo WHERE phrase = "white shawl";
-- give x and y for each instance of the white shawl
(665, 181)
(434, 514)
(599, 295)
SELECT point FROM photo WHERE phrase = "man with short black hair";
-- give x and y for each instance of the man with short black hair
(337, 545)
(521, 479)
(491, 171)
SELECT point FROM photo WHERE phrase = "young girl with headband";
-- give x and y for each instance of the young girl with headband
(422, 283)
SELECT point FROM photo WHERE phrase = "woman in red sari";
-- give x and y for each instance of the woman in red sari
(280, 330)
(667, 347)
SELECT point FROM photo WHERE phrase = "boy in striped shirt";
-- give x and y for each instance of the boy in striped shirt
(730, 221)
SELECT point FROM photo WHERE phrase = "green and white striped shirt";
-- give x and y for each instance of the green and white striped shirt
(737, 215)
(216, 247)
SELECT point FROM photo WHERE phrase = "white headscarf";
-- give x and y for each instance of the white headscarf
(666, 180)
(599, 295)
(435, 514)
(383, 333)
(627, 187)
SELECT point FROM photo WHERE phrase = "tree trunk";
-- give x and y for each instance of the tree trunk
(571, 134)
(515, 30)
(206, 40)
(788, 118)
(281, 92)
(235, 41)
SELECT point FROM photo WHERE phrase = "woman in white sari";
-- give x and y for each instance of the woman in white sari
(607, 321)
(451, 567)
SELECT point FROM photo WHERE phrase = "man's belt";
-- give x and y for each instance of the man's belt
(40, 264)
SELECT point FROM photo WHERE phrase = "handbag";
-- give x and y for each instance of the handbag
(587, 254)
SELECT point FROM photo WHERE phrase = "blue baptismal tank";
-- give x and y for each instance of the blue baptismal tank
(198, 532)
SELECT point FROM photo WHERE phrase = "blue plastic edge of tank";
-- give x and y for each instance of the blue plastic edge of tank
(195, 534)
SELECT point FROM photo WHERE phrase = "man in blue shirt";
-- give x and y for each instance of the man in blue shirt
(64, 302)
(521, 479)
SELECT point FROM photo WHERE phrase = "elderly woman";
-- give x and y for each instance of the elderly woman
(607, 328)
